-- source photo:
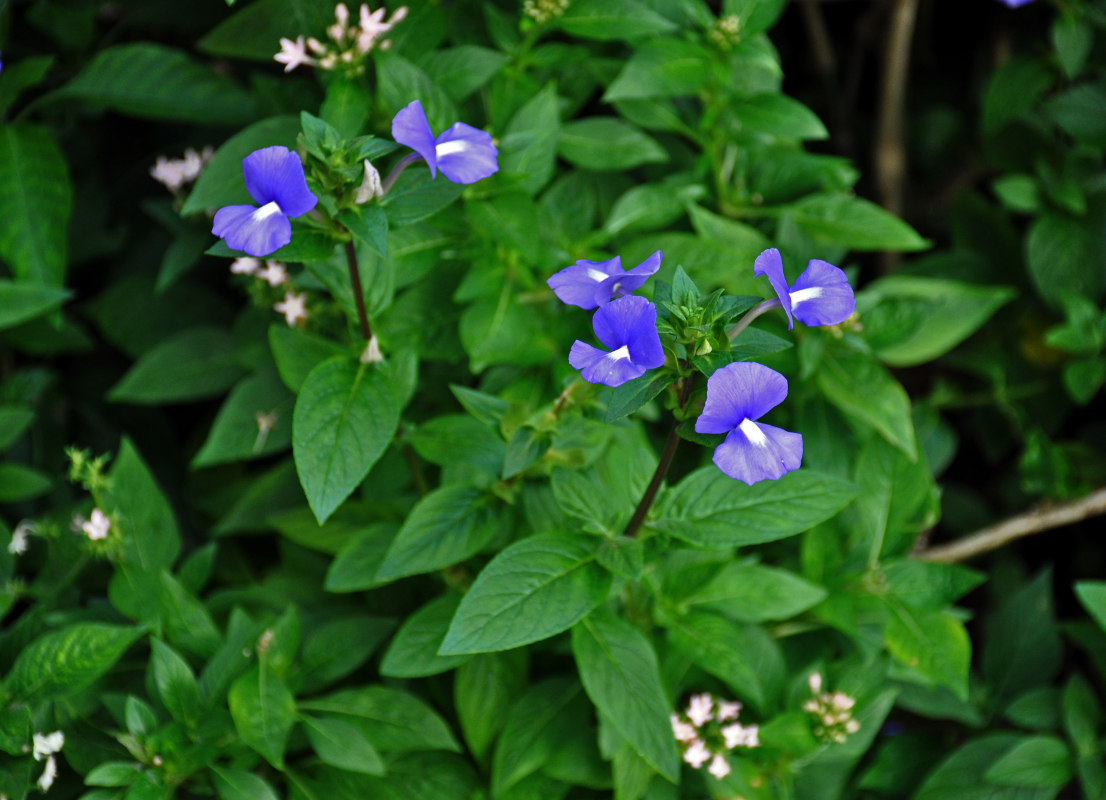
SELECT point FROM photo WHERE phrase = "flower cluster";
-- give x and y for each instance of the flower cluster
(175, 173)
(704, 737)
(351, 43)
(624, 323)
(831, 712)
(542, 11)
(726, 32)
(96, 527)
(45, 746)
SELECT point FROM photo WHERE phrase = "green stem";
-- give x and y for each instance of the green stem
(753, 313)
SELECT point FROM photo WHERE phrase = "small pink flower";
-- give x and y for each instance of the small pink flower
(719, 767)
(727, 711)
(293, 307)
(293, 54)
(697, 754)
(700, 709)
(681, 730)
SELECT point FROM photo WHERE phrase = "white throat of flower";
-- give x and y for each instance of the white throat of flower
(266, 211)
(753, 433)
(449, 148)
(597, 276)
(803, 295)
(619, 354)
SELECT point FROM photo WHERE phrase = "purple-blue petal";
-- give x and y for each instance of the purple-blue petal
(576, 284)
(770, 263)
(598, 366)
(622, 284)
(410, 127)
(625, 321)
(275, 174)
(254, 231)
(466, 154)
(833, 305)
(740, 391)
(759, 452)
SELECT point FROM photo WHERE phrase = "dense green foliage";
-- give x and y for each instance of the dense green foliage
(249, 557)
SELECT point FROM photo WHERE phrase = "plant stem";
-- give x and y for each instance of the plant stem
(753, 313)
(665, 462)
(358, 293)
(397, 170)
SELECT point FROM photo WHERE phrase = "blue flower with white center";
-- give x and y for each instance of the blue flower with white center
(590, 284)
(274, 178)
(821, 295)
(737, 396)
(627, 326)
(463, 153)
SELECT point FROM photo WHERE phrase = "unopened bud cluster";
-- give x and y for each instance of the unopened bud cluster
(832, 713)
(726, 32)
(349, 43)
(707, 729)
(542, 11)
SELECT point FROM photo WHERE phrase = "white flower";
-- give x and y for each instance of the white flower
(370, 185)
(293, 54)
(815, 682)
(169, 173)
(48, 744)
(97, 527)
(21, 534)
(293, 307)
(49, 773)
(719, 767)
(246, 265)
(740, 736)
(727, 711)
(274, 273)
(699, 709)
(842, 701)
(681, 730)
(697, 754)
(372, 354)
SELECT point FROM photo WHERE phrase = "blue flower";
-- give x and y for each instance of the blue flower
(463, 153)
(274, 178)
(737, 396)
(821, 295)
(590, 284)
(627, 326)
(1015, 3)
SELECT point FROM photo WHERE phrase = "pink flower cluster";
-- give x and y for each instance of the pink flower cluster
(704, 734)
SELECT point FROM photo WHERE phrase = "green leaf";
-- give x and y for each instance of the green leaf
(755, 15)
(778, 115)
(297, 352)
(113, 773)
(358, 560)
(413, 652)
(346, 106)
(370, 225)
(1082, 716)
(532, 590)
(497, 329)
(709, 509)
(910, 320)
(416, 196)
(607, 144)
(35, 200)
(19, 483)
(1013, 90)
(175, 683)
(136, 504)
(20, 302)
(960, 776)
(341, 744)
(662, 67)
(861, 388)
(929, 585)
(336, 648)
(933, 643)
(221, 183)
(1065, 255)
(534, 728)
(20, 76)
(263, 710)
(607, 20)
(619, 670)
(64, 662)
(192, 365)
(1017, 656)
(398, 722)
(746, 658)
(853, 223)
(485, 689)
(462, 70)
(345, 416)
(1072, 38)
(755, 593)
(256, 30)
(14, 421)
(1092, 594)
(632, 395)
(1042, 762)
(237, 784)
(307, 245)
(447, 526)
(1076, 111)
(528, 149)
(459, 439)
(153, 81)
(254, 421)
